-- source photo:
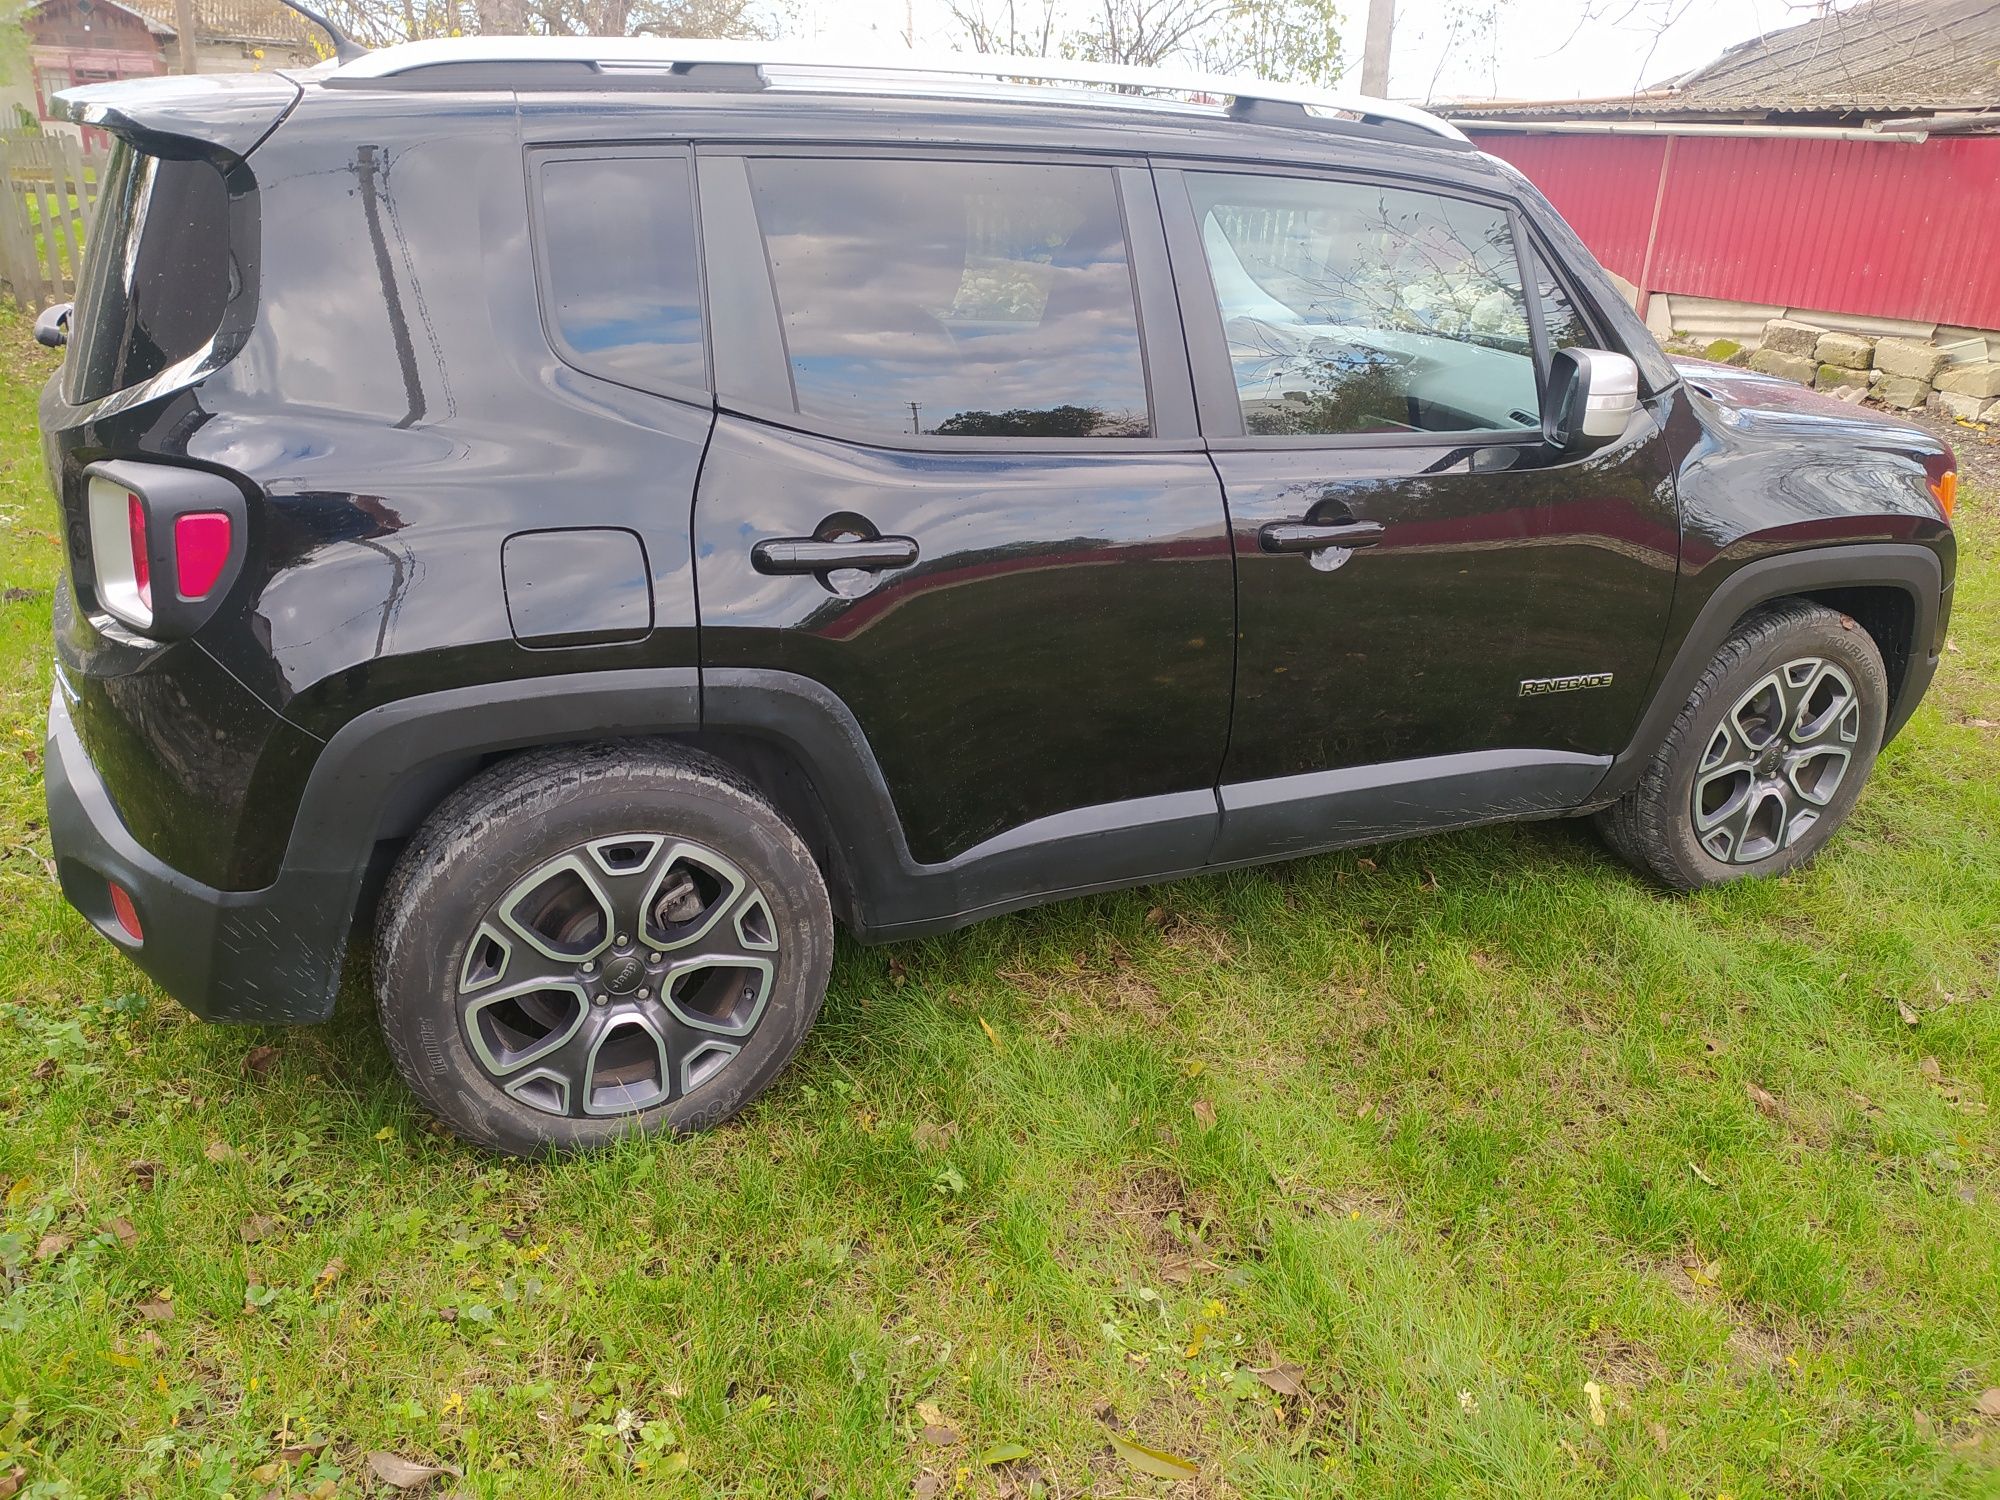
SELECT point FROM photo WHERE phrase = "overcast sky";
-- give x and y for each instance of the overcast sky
(1538, 49)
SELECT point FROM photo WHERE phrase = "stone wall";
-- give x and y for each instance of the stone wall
(1897, 372)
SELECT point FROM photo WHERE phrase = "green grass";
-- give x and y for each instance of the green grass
(1463, 1129)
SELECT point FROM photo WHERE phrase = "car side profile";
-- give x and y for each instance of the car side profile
(600, 514)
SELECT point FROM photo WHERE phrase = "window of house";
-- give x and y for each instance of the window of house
(622, 280)
(1353, 307)
(954, 298)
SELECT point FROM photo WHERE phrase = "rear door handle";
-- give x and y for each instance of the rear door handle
(804, 554)
(1311, 536)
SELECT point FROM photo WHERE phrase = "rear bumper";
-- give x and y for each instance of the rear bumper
(262, 956)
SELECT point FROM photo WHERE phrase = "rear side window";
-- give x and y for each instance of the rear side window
(621, 277)
(1357, 308)
(157, 274)
(954, 298)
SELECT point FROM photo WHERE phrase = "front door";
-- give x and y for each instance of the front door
(956, 482)
(1439, 616)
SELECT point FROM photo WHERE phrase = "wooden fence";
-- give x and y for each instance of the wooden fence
(50, 196)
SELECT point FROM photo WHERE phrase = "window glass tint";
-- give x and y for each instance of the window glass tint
(156, 275)
(1351, 308)
(624, 287)
(957, 299)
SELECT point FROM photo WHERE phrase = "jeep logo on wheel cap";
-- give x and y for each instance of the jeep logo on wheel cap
(623, 973)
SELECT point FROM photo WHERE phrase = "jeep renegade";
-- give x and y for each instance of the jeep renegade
(599, 513)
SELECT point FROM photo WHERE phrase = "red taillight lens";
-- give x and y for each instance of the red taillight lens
(125, 912)
(201, 548)
(142, 572)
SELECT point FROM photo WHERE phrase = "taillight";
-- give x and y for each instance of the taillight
(121, 550)
(1941, 470)
(201, 548)
(142, 566)
(165, 543)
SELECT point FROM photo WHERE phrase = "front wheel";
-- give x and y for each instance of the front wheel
(586, 943)
(1767, 758)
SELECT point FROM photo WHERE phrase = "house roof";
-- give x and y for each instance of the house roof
(1880, 58)
(232, 20)
(222, 20)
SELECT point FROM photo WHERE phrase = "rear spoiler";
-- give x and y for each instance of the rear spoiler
(218, 116)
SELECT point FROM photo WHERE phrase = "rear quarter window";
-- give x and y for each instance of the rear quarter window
(157, 273)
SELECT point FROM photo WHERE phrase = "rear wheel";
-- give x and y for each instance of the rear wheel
(581, 944)
(1768, 757)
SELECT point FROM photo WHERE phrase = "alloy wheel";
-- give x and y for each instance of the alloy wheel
(1775, 761)
(618, 975)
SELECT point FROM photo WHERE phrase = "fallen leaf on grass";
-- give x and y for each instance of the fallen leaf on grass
(255, 1228)
(927, 1486)
(1904, 1012)
(1983, 723)
(1204, 1114)
(291, 1453)
(328, 1275)
(1286, 1380)
(1931, 1069)
(1365, 866)
(11, 1481)
(143, 1174)
(403, 1473)
(257, 1062)
(1988, 1404)
(1594, 1394)
(21, 1190)
(934, 1137)
(44, 1070)
(1005, 1453)
(1156, 916)
(1152, 1461)
(939, 1436)
(157, 1310)
(220, 1152)
(1659, 1432)
(1763, 1098)
(121, 1230)
(1703, 1176)
(991, 1035)
(52, 1245)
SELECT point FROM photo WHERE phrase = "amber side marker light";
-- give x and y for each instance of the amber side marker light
(1945, 488)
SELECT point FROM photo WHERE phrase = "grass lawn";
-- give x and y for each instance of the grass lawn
(1468, 1166)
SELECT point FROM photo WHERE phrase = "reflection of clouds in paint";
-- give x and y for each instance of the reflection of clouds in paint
(958, 286)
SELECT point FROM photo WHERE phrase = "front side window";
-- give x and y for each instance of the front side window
(622, 282)
(953, 298)
(1357, 308)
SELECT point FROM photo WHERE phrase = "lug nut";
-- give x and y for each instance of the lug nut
(590, 966)
(658, 958)
(598, 1001)
(645, 994)
(623, 940)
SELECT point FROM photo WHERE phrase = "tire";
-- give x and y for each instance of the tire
(599, 941)
(1792, 664)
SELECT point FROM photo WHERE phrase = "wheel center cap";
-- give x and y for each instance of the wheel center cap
(623, 973)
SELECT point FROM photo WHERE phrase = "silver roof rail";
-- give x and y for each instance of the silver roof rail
(614, 54)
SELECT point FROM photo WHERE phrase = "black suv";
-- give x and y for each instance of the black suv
(605, 512)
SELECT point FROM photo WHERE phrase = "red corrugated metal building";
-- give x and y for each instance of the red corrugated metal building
(1850, 165)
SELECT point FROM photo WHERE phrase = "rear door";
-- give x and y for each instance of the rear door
(1440, 616)
(956, 481)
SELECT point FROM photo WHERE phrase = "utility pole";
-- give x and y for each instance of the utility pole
(184, 24)
(1375, 48)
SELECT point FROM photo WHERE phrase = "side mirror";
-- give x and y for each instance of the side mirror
(1592, 395)
(52, 325)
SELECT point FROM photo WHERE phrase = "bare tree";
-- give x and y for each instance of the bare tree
(1010, 28)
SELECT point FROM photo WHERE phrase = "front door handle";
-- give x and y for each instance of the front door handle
(1311, 536)
(804, 554)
